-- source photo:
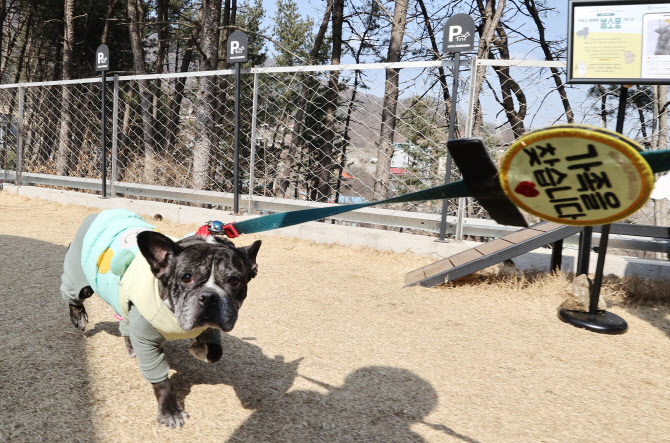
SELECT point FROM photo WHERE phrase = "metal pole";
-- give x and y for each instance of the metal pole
(104, 135)
(115, 133)
(452, 124)
(3, 140)
(236, 182)
(19, 140)
(252, 160)
(600, 266)
(462, 201)
(584, 250)
(605, 229)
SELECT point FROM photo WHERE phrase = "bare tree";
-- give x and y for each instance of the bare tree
(175, 105)
(135, 18)
(3, 15)
(442, 77)
(289, 155)
(534, 12)
(16, 19)
(108, 16)
(491, 15)
(370, 26)
(509, 88)
(64, 142)
(321, 188)
(205, 139)
(390, 104)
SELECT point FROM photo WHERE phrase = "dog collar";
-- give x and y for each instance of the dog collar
(214, 227)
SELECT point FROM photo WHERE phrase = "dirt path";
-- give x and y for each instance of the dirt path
(329, 347)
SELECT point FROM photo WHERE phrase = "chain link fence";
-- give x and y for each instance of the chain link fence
(306, 133)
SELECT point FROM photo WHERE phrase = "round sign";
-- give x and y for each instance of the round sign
(576, 175)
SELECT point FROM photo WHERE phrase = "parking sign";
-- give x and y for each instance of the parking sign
(238, 43)
(459, 34)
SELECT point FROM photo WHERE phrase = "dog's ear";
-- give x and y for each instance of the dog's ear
(251, 252)
(157, 249)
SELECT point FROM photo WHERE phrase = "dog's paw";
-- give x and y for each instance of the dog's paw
(172, 415)
(214, 352)
(78, 316)
(129, 348)
(207, 352)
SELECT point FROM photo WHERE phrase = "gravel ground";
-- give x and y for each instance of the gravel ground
(329, 347)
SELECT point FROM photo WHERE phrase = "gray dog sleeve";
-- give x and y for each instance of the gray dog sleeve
(73, 278)
(148, 344)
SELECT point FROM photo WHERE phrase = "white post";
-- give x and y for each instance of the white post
(19, 135)
(115, 133)
(252, 160)
(462, 201)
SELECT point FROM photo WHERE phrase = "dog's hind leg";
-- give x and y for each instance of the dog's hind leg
(78, 315)
(74, 287)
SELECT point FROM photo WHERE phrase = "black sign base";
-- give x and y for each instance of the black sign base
(602, 322)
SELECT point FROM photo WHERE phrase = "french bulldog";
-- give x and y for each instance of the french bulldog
(199, 285)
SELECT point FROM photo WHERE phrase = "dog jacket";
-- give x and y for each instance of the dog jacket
(120, 274)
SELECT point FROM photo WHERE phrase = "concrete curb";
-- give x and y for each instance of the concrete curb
(538, 259)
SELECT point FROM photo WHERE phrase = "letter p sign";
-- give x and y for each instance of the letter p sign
(454, 31)
(237, 46)
(102, 58)
(459, 34)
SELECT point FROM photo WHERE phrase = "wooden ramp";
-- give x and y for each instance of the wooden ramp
(488, 254)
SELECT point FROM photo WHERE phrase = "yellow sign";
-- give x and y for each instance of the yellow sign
(576, 175)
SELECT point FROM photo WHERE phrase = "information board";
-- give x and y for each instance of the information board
(619, 42)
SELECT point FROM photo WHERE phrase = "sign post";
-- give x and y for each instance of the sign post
(459, 36)
(620, 42)
(102, 65)
(237, 46)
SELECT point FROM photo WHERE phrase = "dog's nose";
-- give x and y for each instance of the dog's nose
(207, 298)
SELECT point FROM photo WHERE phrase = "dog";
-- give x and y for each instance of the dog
(160, 289)
(584, 33)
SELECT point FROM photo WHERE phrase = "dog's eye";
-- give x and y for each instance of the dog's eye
(234, 282)
(186, 278)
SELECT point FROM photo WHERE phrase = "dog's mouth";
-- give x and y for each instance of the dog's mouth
(209, 321)
(217, 313)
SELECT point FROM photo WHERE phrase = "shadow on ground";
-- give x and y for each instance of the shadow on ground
(377, 403)
(43, 374)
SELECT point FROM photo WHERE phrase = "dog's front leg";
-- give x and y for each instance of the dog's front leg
(170, 413)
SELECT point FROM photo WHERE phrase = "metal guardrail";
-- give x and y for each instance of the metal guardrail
(623, 236)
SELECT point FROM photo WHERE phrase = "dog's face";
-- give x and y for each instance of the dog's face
(204, 282)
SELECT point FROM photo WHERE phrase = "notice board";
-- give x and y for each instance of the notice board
(619, 42)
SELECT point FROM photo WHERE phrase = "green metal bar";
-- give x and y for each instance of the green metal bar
(281, 220)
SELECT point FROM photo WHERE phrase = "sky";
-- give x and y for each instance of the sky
(556, 26)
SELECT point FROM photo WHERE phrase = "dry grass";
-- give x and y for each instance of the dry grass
(330, 347)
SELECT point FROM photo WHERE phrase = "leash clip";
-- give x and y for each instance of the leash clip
(216, 227)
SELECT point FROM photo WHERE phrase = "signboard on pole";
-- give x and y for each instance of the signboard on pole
(102, 58)
(576, 175)
(619, 41)
(238, 46)
(459, 34)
